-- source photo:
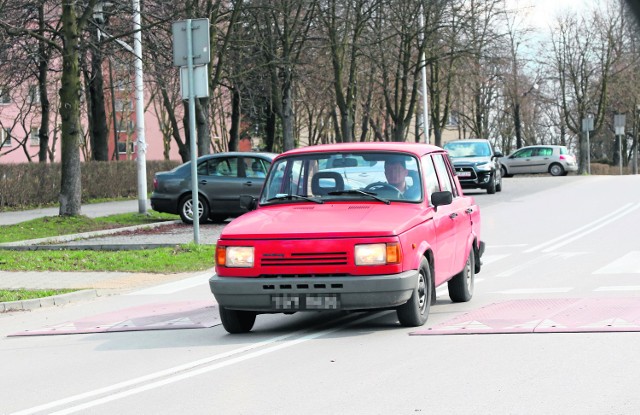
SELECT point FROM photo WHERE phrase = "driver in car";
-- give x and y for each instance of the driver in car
(396, 173)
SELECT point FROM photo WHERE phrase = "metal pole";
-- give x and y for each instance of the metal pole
(588, 153)
(620, 152)
(425, 103)
(142, 145)
(192, 134)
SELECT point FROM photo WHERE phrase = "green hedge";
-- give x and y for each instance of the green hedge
(38, 184)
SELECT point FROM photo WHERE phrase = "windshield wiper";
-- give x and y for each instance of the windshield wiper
(360, 192)
(291, 197)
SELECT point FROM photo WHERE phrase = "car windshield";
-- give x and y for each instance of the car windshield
(468, 149)
(380, 177)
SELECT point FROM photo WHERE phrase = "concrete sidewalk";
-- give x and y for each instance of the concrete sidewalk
(92, 210)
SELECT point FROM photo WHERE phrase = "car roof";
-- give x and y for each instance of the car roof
(417, 149)
(239, 154)
(469, 140)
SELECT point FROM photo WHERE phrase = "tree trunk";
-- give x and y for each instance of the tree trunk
(287, 112)
(70, 188)
(234, 131)
(45, 105)
(203, 127)
(98, 117)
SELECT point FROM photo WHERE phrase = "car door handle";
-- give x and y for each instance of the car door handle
(469, 210)
(249, 183)
(453, 215)
(203, 182)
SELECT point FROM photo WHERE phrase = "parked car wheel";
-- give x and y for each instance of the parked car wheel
(491, 189)
(415, 312)
(556, 170)
(504, 172)
(461, 286)
(187, 210)
(237, 321)
(499, 184)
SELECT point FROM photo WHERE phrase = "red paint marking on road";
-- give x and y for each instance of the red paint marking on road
(564, 315)
(157, 316)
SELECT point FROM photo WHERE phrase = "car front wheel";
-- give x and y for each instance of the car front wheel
(414, 313)
(237, 321)
(187, 210)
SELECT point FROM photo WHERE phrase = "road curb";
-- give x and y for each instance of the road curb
(54, 300)
(50, 243)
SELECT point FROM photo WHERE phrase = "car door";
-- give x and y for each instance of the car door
(451, 221)
(519, 162)
(541, 159)
(218, 180)
(254, 170)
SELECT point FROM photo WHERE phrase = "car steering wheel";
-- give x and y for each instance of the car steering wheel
(384, 187)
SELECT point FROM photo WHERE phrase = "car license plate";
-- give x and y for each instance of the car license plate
(305, 301)
(464, 173)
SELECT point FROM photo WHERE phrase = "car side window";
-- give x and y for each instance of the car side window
(227, 167)
(443, 173)
(544, 152)
(430, 176)
(527, 152)
(255, 167)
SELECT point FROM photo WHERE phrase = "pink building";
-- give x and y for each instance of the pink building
(20, 120)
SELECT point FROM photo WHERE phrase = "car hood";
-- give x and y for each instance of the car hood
(328, 220)
(470, 161)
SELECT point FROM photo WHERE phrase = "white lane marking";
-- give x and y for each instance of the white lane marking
(506, 246)
(173, 287)
(536, 290)
(628, 264)
(584, 230)
(188, 370)
(488, 259)
(619, 288)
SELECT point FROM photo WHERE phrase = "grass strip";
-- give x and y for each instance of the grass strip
(23, 294)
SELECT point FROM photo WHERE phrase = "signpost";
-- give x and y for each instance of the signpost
(191, 46)
(587, 125)
(618, 124)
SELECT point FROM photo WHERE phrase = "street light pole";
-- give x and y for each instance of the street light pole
(139, 95)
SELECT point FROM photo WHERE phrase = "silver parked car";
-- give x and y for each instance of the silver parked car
(552, 159)
(222, 178)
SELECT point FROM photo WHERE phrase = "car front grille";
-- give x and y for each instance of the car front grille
(303, 259)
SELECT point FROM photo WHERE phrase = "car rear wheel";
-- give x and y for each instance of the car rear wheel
(237, 321)
(556, 169)
(461, 286)
(187, 210)
(414, 313)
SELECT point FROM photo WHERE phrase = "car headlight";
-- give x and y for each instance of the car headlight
(486, 166)
(235, 256)
(378, 254)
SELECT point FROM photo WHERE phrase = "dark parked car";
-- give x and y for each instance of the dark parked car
(222, 178)
(476, 164)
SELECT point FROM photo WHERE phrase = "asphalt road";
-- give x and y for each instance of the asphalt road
(548, 239)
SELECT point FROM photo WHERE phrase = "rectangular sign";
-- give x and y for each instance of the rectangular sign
(199, 40)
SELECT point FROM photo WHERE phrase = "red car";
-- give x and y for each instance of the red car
(353, 226)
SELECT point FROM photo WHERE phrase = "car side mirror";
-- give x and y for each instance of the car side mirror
(498, 154)
(441, 198)
(248, 202)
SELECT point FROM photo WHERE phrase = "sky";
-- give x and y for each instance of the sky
(542, 13)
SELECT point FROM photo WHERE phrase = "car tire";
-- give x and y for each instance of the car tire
(556, 169)
(499, 183)
(185, 207)
(237, 321)
(491, 189)
(461, 286)
(415, 312)
(504, 172)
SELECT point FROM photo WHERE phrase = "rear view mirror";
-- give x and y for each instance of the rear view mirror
(248, 202)
(498, 154)
(441, 198)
